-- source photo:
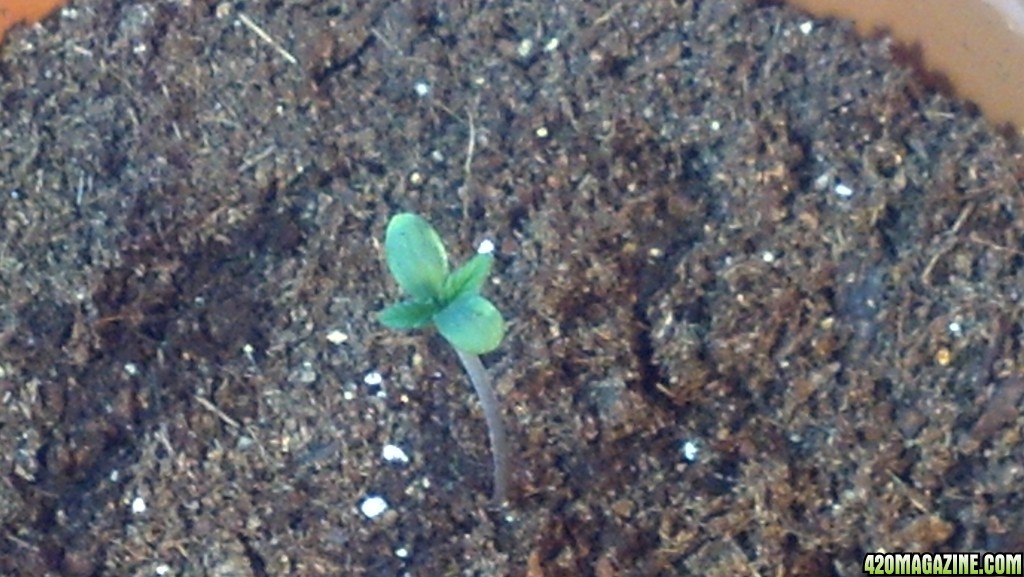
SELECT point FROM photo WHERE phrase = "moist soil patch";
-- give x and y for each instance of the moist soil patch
(763, 289)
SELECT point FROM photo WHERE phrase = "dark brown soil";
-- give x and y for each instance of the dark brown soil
(717, 229)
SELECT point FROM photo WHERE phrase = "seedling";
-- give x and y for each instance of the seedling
(450, 301)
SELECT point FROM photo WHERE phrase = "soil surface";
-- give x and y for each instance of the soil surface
(763, 289)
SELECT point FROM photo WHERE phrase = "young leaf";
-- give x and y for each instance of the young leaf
(468, 278)
(471, 324)
(415, 256)
(408, 314)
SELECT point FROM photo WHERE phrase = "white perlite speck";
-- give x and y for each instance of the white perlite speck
(394, 454)
(373, 506)
(373, 378)
(690, 450)
(138, 505)
(525, 47)
(843, 190)
(486, 247)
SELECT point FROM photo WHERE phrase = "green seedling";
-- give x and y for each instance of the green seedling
(451, 302)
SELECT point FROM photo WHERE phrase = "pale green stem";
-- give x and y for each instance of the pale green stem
(492, 414)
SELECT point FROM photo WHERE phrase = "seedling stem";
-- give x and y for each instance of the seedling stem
(492, 415)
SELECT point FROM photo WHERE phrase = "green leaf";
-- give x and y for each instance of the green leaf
(415, 256)
(471, 323)
(408, 315)
(468, 278)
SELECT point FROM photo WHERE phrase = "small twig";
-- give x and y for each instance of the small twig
(216, 411)
(161, 436)
(464, 191)
(22, 542)
(976, 238)
(254, 160)
(80, 191)
(492, 415)
(607, 15)
(947, 244)
(267, 38)
(471, 146)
